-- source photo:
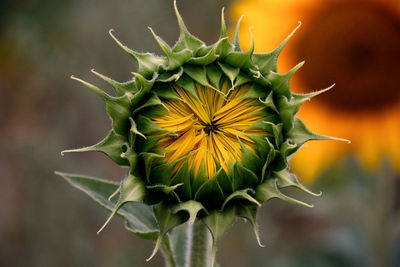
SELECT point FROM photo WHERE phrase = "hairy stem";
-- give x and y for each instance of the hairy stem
(167, 252)
(199, 249)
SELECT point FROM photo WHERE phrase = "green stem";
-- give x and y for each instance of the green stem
(167, 252)
(199, 246)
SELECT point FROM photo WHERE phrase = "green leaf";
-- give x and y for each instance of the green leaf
(210, 194)
(112, 145)
(242, 177)
(235, 41)
(301, 134)
(188, 84)
(134, 129)
(147, 63)
(218, 222)
(192, 207)
(288, 109)
(183, 177)
(161, 173)
(224, 181)
(168, 190)
(152, 101)
(118, 108)
(174, 59)
(287, 148)
(214, 74)
(263, 146)
(200, 179)
(144, 85)
(269, 158)
(267, 62)
(197, 73)
(269, 190)
(280, 81)
(241, 194)
(287, 179)
(242, 79)
(120, 88)
(165, 90)
(148, 144)
(132, 189)
(230, 72)
(166, 221)
(250, 160)
(147, 126)
(206, 59)
(186, 40)
(250, 213)
(170, 76)
(241, 59)
(277, 132)
(146, 160)
(139, 218)
(269, 102)
(224, 47)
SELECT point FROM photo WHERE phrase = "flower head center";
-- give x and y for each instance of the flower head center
(209, 126)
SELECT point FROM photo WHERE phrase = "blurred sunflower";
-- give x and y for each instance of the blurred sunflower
(353, 43)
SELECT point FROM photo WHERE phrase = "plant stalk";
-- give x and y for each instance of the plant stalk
(167, 252)
(199, 247)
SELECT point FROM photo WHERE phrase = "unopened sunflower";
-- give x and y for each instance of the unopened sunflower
(354, 43)
(206, 132)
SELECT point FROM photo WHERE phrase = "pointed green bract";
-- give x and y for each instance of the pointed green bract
(166, 220)
(167, 193)
(250, 213)
(112, 145)
(191, 207)
(218, 222)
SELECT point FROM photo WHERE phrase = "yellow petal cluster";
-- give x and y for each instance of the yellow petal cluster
(209, 127)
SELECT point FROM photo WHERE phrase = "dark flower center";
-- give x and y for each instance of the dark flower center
(210, 128)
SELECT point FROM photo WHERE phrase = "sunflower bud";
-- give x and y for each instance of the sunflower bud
(206, 132)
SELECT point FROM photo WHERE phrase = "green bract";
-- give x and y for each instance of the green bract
(162, 197)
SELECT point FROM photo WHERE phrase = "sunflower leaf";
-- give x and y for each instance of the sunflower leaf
(139, 218)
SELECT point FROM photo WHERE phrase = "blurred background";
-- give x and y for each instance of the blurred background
(353, 43)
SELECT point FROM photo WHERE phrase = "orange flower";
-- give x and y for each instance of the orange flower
(353, 43)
